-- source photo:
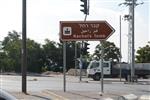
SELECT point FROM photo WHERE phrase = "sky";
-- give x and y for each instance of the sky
(43, 17)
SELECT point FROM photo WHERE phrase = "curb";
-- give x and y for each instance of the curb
(144, 97)
(128, 97)
(57, 97)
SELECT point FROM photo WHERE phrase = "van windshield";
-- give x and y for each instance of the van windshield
(105, 65)
(96, 64)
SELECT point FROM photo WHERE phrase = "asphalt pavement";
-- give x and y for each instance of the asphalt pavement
(51, 88)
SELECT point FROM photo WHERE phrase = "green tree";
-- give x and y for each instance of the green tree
(110, 52)
(70, 54)
(52, 54)
(2, 61)
(34, 56)
(12, 49)
(143, 54)
(11, 56)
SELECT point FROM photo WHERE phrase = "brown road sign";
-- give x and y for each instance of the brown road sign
(85, 30)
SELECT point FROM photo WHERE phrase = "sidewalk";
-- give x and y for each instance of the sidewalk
(89, 95)
(60, 95)
(51, 88)
(32, 96)
(81, 95)
(76, 95)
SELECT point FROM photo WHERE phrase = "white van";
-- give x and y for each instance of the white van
(94, 69)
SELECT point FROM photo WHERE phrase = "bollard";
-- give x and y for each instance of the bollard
(135, 78)
(129, 78)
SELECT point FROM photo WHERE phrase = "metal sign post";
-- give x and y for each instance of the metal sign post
(81, 61)
(80, 65)
(101, 64)
(75, 58)
(64, 64)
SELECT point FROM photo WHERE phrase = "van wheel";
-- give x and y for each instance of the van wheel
(96, 77)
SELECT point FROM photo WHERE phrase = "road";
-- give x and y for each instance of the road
(12, 83)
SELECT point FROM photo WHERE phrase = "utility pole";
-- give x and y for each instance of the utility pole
(130, 19)
(132, 45)
(120, 51)
(24, 52)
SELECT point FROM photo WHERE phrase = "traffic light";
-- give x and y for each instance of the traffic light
(85, 7)
(85, 48)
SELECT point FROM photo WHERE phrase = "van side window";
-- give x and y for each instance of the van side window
(95, 65)
(105, 65)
